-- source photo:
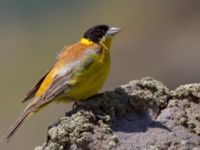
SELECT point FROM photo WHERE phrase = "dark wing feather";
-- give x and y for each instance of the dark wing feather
(58, 87)
(32, 92)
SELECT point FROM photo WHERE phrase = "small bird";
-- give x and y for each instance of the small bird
(79, 72)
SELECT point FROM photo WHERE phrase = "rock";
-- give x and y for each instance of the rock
(141, 115)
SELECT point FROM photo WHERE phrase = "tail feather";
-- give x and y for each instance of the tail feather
(18, 123)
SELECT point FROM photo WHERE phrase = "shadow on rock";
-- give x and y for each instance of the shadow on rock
(136, 122)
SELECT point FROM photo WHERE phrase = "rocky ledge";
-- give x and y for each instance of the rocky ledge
(141, 115)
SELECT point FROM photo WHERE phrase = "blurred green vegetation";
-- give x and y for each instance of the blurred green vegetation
(159, 39)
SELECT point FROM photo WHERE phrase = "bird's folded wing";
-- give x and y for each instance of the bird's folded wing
(32, 92)
(65, 75)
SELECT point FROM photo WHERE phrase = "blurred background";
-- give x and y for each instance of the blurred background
(160, 39)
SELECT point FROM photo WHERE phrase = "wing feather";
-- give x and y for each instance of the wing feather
(64, 79)
(33, 91)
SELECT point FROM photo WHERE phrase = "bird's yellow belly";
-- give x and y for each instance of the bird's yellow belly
(90, 81)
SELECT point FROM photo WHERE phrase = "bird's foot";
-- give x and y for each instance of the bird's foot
(79, 104)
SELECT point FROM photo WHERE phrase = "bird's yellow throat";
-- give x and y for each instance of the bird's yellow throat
(104, 42)
(86, 41)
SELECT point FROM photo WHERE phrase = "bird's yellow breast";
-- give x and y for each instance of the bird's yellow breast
(86, 81)
(93, 78)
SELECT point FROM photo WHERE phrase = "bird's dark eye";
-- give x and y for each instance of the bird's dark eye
(98, 32)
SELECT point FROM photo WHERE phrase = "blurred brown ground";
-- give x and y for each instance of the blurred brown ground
(160, 39)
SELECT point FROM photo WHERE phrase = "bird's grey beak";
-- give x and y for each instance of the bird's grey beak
(112, 31)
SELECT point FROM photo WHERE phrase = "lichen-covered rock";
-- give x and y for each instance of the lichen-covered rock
(80, 132)
(191, 91)
(148, 91)
(141, 115)
(187, 99)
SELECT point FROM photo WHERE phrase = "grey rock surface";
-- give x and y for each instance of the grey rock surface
(141, 115)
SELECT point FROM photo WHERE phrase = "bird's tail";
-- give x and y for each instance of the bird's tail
(18, 123)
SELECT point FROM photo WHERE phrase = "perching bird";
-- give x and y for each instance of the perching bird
(79, 72)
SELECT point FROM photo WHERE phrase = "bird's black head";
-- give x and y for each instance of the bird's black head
(95, 33)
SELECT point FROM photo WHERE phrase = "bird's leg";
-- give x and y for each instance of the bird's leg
(85, 106)
(79, 103)
(76, 101)
(74, 106)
